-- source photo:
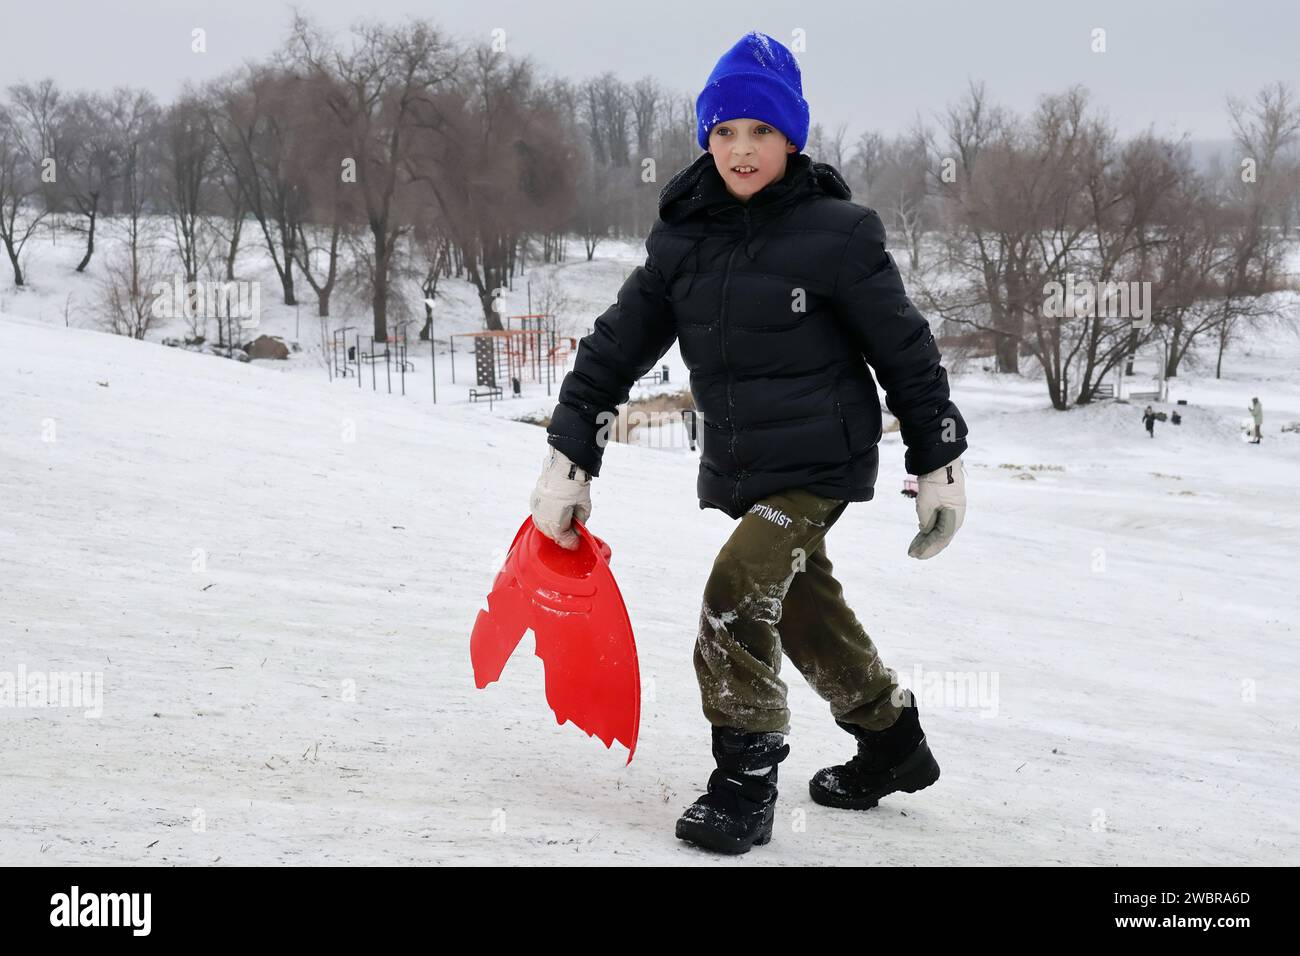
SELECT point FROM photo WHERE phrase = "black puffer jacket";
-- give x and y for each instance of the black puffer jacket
(778, 304)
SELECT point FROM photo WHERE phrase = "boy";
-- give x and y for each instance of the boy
(779, 291)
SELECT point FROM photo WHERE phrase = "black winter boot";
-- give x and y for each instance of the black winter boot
(896, 758)
(739, 810)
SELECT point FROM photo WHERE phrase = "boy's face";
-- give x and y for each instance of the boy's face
(748, 144)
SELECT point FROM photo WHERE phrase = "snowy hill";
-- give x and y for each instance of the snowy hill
(277, 576)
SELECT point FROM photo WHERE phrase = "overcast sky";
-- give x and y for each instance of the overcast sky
(868, 64)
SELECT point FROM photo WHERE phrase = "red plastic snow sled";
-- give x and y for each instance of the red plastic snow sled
(584, 638)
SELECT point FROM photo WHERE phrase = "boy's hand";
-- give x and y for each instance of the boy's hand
(559, 498)
(940, 508)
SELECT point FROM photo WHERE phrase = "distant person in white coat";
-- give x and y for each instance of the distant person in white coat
(1257, 413)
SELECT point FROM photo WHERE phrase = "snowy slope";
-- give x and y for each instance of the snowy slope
(281, 617)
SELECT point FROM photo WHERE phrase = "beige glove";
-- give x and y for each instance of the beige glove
(940, 508)
(563, 493)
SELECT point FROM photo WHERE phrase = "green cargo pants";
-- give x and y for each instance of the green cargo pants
(772, 590)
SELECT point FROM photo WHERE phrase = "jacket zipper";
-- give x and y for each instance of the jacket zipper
(844, 429)
(722, 329)
(839, 411)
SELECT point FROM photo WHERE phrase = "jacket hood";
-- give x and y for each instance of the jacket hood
(699, 187)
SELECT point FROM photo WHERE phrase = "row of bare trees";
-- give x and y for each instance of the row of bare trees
(392, 157)
(389, 154)
(1017, 208)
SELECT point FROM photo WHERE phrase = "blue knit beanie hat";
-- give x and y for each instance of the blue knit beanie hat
(757, 78)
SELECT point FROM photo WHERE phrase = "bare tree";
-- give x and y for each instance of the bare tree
(188, 158)
(899, 190)
(331, 205)
(1132, 200)
(381, 90)
(827, 147)
(591, 218)
(500, 169)
(91, 163)
(644, 102)
(1026, 204)
(608, 105)
(129, 295)
(865, 165)
(25, 141)
(138, 267)
(989, 225)
(254, 130)
(229, 211)
(1266, 131)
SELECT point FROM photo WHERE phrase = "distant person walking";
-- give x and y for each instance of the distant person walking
(1257, 413)
(1149, 420)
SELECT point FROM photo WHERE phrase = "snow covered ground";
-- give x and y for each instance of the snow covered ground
(275, 577)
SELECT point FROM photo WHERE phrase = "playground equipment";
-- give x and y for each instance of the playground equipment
(340, 358)
(346, 359)
(532, 352)
(509, 357)
(657, 376)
